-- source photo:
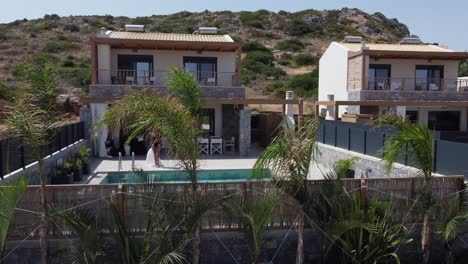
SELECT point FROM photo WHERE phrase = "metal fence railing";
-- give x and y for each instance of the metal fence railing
(14, 156)
(449, 156)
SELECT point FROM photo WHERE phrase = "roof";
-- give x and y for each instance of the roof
(355, 47)
(169, 37)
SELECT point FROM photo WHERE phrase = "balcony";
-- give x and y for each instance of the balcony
(423, 89)
(421, 84)
(119, 83)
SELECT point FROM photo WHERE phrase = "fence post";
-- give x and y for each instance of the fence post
(23, 161)
(336, 135)
(365, 141)
(121, 200)
(434, 166)
(363, 192)
(349, 138)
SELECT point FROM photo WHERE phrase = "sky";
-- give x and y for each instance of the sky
(438, 21)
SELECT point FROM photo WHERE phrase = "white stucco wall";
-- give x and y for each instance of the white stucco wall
(164, 60)
(333, 74)
(406, 69)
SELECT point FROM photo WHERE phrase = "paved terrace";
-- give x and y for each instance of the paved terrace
(207, 162)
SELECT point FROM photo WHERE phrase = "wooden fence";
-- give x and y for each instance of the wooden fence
(131, 200)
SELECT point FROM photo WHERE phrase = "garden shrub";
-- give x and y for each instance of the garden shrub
(304, 59)
(253, 46)
(58, 46)
(290, 45)
(297, 27)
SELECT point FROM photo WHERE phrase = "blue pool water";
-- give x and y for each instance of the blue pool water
(182, 177)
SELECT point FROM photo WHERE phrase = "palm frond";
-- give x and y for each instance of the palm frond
(9, 197)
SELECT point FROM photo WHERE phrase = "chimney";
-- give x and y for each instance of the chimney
(103, 32)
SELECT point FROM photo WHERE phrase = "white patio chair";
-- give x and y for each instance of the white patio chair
(396, 86)
(433, 87)
(129, 79)
(152, 80)
(216, 146)
(203, 146)
(230, 144)
(211, 81)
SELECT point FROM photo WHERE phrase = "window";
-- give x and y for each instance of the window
(444, 120)
(429, 77)
(208, 122)
(203, 68)
(133, 69)
(379, 76)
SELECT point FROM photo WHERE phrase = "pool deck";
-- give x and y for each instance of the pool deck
(229, 161)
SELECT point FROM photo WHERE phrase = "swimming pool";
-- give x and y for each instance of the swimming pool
(177, 176)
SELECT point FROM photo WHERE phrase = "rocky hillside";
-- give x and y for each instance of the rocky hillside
(281, 49)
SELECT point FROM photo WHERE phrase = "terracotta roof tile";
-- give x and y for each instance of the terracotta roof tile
(170, 37)
(353, 47)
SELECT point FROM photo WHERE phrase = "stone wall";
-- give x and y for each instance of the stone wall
(365, 166)
(117, 91)
(355, 73)
(230, 121)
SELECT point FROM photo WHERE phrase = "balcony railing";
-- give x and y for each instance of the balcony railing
(159, 78)
(417, 84)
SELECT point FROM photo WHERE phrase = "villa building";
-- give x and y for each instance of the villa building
(133, 60)
(412, 79)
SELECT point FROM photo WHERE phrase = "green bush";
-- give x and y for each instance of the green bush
(260, 56)
(285, 62)
(297, 27)
(305, 59)
(247, 75)
(290, 45)
(274, 72)
(142, 21)
(71, 28)
(58, 46)
(253, 66)
(463, 69)
(6, 93)
(254, 46)
(305, 85)
(253, 19)
(76, 77)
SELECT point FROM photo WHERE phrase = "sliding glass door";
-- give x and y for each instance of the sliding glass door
(134, 69)
(203, 68)
(429, 77)
(379, 77)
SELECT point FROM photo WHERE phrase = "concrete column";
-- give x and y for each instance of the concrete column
(289, 111)
(104, 63)
(99, 141)
(244, 131)
(463, 119)
(85, 117)
(401, 112)
(330, 108)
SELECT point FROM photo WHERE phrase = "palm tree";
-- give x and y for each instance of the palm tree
(168, 230)
(174, 118)
(9, 197)
(254, 217)
(418, 143)
(452, 224)
(289, 158)
(33, 120)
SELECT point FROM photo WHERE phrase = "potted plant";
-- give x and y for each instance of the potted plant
(127, 150)
(77, 168)
(68, 171)
(83, 154)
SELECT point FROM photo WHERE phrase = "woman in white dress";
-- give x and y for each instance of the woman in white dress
(153, 154)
